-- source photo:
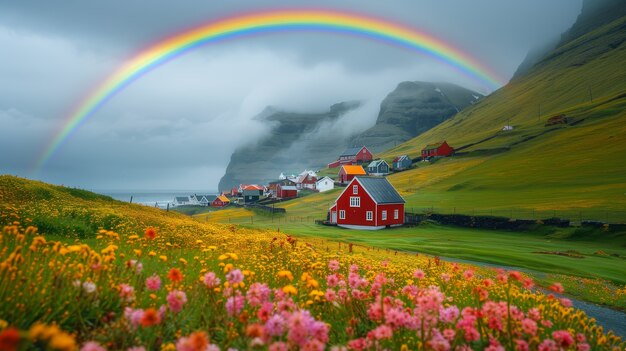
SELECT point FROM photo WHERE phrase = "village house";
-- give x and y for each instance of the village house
(234, 192)
(378, 168)
(368, 203)
(272, 187)
(220, 201)
(347, 173)
(251, 193)
(286, 192)
(203, 200)
(306, 180)
(181, 200)
(324, 184)
(351, 156)
(440, 149)
(402, 162)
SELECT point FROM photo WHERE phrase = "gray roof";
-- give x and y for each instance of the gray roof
(182, 198)
(209, 198)
(351, 151)
(288, 187)
(376, 163)
(381, 190)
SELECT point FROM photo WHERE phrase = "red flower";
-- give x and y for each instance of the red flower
(175, 275)
(150, 233)
(557, 288)
(9, 339)
(150, 318)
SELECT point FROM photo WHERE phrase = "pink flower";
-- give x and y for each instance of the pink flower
(136, 348)
(566, 302)
(468, 274)
(445, 277)
(521, 345)
(332, 280)
(529, 326)
(419, 274)
(234, 304)
(448, 315)
(330, 295)
(127, 292)
(563, 338)
(449, 334)
(176, 299)
(153, 282)
(92, 346)
(383, 332)
(234, 276)
(257, 294)
(211, 281)
(557, 288)
(333, 265)
(358, 344)
(275, 325)
(278, 346)
(548, 345)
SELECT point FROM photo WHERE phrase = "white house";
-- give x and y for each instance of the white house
(181, 200)
(324, 184)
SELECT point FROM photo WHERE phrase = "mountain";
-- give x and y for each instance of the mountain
(290, 137)
(413, 108)
(311, 140)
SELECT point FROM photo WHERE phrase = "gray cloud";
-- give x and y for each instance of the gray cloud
(177, 126)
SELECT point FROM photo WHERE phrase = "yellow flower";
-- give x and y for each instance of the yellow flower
(168, 347)
(137, 252)
(290, 289)
(285, 274)
(62, 341)
(183, 261)
(163, 258)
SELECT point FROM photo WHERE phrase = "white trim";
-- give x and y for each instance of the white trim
(362, 227)
(383, 215)
(355, 201)
(396, 214)
(369, 215)
(342, 214)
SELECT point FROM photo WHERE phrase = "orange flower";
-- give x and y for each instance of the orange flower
(9, 339)
(150, 233)
(150, 318)
(175, 275)
(199, 340)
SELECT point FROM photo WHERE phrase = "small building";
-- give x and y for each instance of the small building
(181, 200)
(368, 203)
(324, 184)
(351, 156)
(348, 172)
(507, 127)
(272, 187)
(286, 192)
(378, 168)
(402, 162)
(220, 201)
(440, 149)
(204, 200)
(306, 180)
(251, 193)
(234, 192)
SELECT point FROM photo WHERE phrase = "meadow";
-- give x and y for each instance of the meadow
(153, 280)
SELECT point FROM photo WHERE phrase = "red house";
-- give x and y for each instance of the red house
(220, 201)
(286, 191)
(440, 149)
(368, 203)
(347, 173)
(352, 156)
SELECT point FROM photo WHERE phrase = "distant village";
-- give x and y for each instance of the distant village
(369, 199)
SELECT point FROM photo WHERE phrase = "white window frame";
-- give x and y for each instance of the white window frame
(383, 216)
(355, 201)
(342, 214)
(355, 189)
(369, 215)
(396, 214)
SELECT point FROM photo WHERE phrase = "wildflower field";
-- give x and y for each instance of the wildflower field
(81, 271)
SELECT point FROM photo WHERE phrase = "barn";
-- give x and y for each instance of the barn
(368, 203)
(220, 201)
(346, 173)
(352, 156)
(286, 191)
(440, 149)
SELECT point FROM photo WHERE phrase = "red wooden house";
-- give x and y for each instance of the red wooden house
(351, 156)
(368, 203)
(286, 191)
(440, 149)
(220, 201)
(347, 173)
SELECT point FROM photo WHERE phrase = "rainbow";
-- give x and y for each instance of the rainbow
(260, 23)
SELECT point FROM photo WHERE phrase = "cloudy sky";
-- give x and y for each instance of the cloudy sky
(176, 127)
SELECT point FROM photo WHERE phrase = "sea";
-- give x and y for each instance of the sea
(153, 198)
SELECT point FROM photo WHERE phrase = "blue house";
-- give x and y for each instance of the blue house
(402, 162)
(378, 168)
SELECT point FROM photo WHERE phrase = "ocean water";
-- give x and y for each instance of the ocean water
(159, 198)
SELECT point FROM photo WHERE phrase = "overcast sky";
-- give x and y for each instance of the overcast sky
(176, 127)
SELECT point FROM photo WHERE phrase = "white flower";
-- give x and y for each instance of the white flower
(89, 287)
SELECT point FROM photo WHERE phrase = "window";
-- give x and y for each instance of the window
(395, 214)
(384, 215)
(369, 215)
(342, 214)
(355, 201)
(355, 189)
